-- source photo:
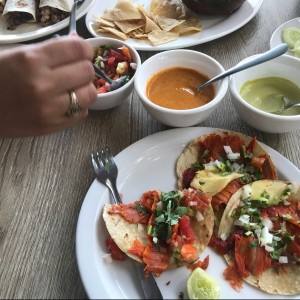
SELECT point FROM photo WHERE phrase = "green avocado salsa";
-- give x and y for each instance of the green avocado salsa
(262, 93)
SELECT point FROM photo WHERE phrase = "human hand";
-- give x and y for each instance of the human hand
(35, 85)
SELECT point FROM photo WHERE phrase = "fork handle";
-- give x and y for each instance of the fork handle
(111, 184)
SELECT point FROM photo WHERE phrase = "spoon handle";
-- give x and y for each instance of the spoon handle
(277, 51)
(101, 74)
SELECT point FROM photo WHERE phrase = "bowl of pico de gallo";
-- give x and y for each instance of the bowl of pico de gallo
(116, 59)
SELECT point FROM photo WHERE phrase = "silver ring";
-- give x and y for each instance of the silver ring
(74, 108)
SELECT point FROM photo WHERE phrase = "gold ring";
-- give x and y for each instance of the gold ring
(74, 108)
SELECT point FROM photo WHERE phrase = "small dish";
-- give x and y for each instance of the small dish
(114, 98)
(276, 36)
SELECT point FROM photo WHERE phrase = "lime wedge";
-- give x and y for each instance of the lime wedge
(201, 285)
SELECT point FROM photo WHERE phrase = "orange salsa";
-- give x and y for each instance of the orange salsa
(175, 88)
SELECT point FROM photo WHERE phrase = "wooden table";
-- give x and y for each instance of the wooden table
(45, 179)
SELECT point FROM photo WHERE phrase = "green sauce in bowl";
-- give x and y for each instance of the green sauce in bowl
(265, 94)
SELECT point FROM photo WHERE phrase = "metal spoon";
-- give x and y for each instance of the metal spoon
(114, 84)
(280, 103)
(277, 51)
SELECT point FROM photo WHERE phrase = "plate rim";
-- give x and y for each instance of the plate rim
(87, 262)
(193, 41)
(44, 31)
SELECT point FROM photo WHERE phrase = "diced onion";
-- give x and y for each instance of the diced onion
(233, 156)
(133, 66)
(228, 149)
(209, 166)
(193, 203)
(155, 240)
(266, 236)
(247, 191)
(218, 164)
(107, 257)
(267, 222)
(269, 248)
(276, 238)
(223, 236)
(199, 216)
(236, 166)
(159, 205)
(283, 259)
(244, 219)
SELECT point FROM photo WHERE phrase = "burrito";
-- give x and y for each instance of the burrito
(260, 235)
(17, 12)
(54, 11)
(2, 4)
(162, 230)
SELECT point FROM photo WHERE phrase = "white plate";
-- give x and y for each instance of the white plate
(145, 165)
(276, 36)
(31, 31)
(213, 26)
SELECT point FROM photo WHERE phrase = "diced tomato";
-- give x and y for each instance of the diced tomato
(114, 250)
(186, 230)
(203, 264)
(189, 252)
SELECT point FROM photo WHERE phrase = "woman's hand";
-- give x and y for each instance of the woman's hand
(35, 85)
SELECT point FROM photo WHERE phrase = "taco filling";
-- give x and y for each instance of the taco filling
(162, 230)
(259, 234)
(220, 163)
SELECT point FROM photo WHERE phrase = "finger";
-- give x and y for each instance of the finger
(64, 50)
(72, 76)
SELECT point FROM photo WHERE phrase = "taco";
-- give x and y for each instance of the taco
(220, 163)
(260, 231)
(162, 230)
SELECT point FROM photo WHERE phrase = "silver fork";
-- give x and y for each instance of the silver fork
(106, 172)
(114, 84)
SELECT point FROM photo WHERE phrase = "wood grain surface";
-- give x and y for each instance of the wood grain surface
(45, 179)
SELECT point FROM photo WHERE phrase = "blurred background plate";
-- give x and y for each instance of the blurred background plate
(276, 36)
(31, 31)
(213, 26)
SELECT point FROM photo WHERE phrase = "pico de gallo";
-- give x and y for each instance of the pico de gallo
(114, 62)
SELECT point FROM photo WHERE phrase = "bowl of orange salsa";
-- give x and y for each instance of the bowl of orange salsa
(166, 85)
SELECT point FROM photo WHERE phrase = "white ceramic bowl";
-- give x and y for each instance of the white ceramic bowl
(186, 59)
(283, 66)
(116, 97)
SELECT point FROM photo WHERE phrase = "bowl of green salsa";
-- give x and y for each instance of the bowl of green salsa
(257, 94)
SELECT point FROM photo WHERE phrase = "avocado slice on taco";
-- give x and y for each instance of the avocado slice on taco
(260, 232)
(220, 163)
(162, 230)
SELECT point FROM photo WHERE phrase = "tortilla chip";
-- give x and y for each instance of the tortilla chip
(168, 24)
(173, 9)
(129, 25)
(157, 37)
(123, 10)
(114, 31)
